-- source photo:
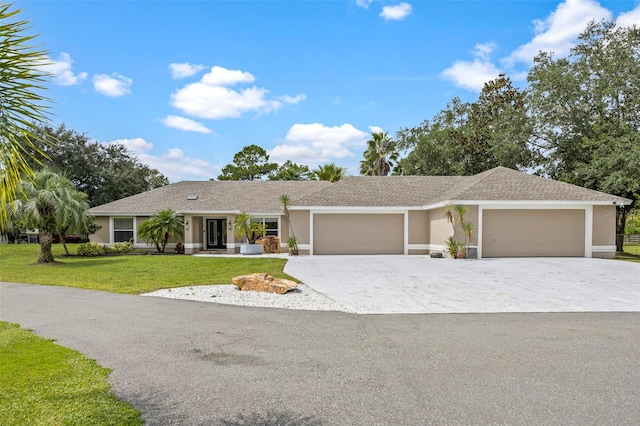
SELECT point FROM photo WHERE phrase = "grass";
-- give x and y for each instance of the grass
(42, 383)
(631, 252)
(127, 274)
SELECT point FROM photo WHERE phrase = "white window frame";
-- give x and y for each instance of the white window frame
(262, 219)
(113, 229)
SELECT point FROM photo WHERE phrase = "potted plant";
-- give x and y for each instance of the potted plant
(248, 231)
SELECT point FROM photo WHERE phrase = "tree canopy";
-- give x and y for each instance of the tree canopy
(251, 163)
(291, 171)
(330, 172)
(469, 138)
(587, 112)
(21, 104)
(105, 172)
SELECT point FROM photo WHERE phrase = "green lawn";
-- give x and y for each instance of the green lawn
(631, 252)
(130, 274)
(42, 383)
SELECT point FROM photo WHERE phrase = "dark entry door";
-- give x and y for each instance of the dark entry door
(216, 233)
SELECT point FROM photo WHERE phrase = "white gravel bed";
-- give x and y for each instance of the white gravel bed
(303, 297)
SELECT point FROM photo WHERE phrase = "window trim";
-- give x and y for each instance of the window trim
(112, 228)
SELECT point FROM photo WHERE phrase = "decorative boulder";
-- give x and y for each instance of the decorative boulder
(263, 282)
(270, 243)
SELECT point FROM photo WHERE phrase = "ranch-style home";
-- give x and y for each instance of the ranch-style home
(514, 214)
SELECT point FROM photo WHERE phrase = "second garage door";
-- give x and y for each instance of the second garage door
(358, 234)
(540, 233)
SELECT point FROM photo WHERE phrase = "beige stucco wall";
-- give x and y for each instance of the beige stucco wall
(300, 221)
(358, 234)
(513, 233)
(604, 226)
(102, 235)
(418, 227)
(439, 229)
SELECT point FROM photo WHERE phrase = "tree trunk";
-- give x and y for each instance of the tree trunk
(46, 256)
(621, 219)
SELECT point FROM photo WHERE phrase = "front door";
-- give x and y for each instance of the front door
(216, 233)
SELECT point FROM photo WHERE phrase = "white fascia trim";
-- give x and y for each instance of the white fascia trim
(603, 249)
(537, 206)
(233, 245)
(193, 245)
(209, 212)
(356, 209)
(304, 246)
(310, 233)
(360, 210)
(528, 204)
(436, 247)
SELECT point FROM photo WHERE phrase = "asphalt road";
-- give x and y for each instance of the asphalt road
(193, 363)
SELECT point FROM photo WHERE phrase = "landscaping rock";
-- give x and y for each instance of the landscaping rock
(263, 282)
(270, 243)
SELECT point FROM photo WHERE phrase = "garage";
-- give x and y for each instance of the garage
(520, 233)
(358, 233)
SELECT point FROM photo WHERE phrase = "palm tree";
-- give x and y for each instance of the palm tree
(380, 156)
(21, 106)
(161, 226)
(49, 202)
(330, 172)
(292, 242)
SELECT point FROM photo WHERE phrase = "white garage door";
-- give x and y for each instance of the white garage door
(519, 233)
(358, 234)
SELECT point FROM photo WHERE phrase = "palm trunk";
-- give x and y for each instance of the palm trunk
(46, 256)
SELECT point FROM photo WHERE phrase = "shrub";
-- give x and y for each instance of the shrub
(179, 248)
(125, 247)
(90, 249)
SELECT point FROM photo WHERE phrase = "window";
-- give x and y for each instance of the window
(122, 229)
(270, 224)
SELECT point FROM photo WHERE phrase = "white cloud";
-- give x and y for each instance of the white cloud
(376, 129)
(472, 75)
(212, 98)
(174, 164)
(113, 85)
(62, 71)
(315, 143)
(184, 69)
(364, 3)
(559, 31)
(185, 124)
(396, 12)
(630, 18)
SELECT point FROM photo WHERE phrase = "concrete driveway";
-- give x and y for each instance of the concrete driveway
(419, 284)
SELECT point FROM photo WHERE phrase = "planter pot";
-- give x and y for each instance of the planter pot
(251, 249)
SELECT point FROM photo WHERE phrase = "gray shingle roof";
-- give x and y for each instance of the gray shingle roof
(218, 196)
(498, 184)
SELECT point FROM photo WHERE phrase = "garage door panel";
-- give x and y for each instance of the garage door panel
(519, 233)
(358, 234)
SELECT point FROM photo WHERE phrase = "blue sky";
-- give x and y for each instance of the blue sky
(185, 85)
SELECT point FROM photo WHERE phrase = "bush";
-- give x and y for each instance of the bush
(179, 248)
(90, 249)
(126, 247)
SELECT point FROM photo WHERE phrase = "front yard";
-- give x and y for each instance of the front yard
(131, 274)
(631, 252)
(45, 384)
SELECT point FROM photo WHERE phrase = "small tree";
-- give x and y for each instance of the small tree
(292, 242)
(50, 204)
(160, 227)
(245, 229)
(455, 216)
